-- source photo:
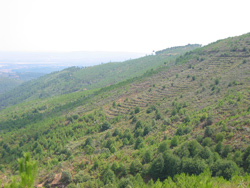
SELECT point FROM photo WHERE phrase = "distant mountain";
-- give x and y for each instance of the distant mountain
(47, 62)
(84, 78)
(25, 66)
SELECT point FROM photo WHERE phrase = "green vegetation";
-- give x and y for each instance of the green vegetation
(79, 79)
(7, 84)
(138, 133)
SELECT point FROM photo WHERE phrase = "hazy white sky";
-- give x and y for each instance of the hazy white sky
(118, 25)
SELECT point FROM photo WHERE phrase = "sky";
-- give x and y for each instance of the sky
(118, 25)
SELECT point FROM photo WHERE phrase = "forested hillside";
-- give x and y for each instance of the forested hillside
(7, 84)
(79, 79)
(184, 124)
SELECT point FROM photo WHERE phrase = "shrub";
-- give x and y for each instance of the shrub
(158, 116)
(206, 153)
(89, 150)
(112, 148)
(163, 147)
(172, 165)
(125, 183)
(199, 138)
(207, 141)
(115, 167)
(208, 132)
(174, 112)
(203, 117)
(108, 177)
(147, 129)
(237, 158)
(187, 119)
(157, 166)
(105, 126)
(227, 149)
(66, 177)
(116, 132)
(218, 148)
(147, 156)
(96, 164)
(224, 168)
(174, 141)
(135, 167)
(137, 110)
(194, 148)
(88, 141)
(219, 137)
(209, 120)
(138, 125)
(79, 177)
(108, 135)
(139, 143)
(217, 81)
(190, 166)
(72, 185)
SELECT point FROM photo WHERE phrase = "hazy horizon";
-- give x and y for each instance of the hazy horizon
(123, 26)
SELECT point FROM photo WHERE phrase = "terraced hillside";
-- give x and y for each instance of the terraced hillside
(189, 116)
(79, 79)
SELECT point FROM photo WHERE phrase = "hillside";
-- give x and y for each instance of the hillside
(188, 116)
(78, 79)
(7, 84)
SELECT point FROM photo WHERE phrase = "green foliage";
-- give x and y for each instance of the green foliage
(210, 120)
(79, 177)
(190, 166)
(224, 168)
(218, 148)
(147, 129)
(139, 143)
(172, 165)
(124, 183)
(115, 167)
(206, 153)
(217, 81)
(163, 147)
(135, 167)
(148, 156)
(67, 131)
(108, 177)
(208, 132)
(105, 126)
(227, 149)
(207, 141)
(157, 167)
(88, 142)
(174, 141)
(137, 110)
(89, 150)
(27, 173)
(219, 137)
(138, 125)
(66, 177)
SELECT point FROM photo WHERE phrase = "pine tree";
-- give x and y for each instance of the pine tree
(27, 173)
